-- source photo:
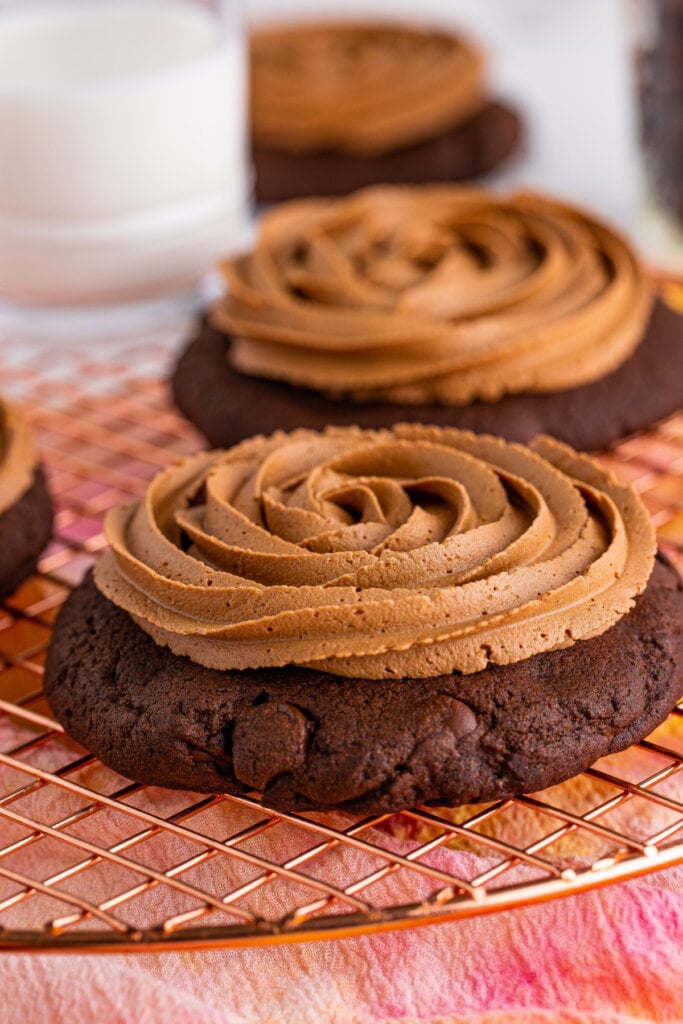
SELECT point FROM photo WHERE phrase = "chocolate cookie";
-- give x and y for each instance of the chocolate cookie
(24, 531)
(468, 150)
(228, 406)
(335, 106)
(311, 740)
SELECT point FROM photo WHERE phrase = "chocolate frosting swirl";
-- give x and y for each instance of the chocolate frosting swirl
(433, 295)
(409, 552)
(360, 88)
(17, 456)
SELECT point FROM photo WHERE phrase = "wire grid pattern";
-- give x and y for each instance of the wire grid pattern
(89, 860)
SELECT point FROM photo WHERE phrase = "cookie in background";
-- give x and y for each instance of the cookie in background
(336, 106)
(511, 314)
(25, 506)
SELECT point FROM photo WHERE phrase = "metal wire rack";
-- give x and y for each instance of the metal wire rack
(91, 861)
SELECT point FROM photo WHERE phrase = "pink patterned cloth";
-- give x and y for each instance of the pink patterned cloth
(610, 957)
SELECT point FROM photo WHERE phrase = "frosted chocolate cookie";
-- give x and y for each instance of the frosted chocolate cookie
(25, 507)
(337, 107)
(505, 314)
(369, 620)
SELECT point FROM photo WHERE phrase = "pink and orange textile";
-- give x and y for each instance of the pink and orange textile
(613, 956)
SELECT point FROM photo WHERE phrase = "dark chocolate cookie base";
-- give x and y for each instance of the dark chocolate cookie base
(309, 740)
(24, 532)
(228, 406)
(470, 150)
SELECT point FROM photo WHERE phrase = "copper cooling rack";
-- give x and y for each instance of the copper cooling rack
(91, 861)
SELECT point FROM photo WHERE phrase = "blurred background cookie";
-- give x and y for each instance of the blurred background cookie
(338, 106)
(25, 507)
(510, 314)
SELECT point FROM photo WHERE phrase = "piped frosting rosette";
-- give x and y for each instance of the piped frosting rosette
(360, 88)
(17, 456)
(410, 552)
(433, 295)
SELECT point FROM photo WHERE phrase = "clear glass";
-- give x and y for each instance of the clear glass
(659, 74)
(123, 159)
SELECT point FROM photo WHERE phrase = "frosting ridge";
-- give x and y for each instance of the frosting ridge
(433, 295)
(17, 456)
(360, 88)
(410, 552)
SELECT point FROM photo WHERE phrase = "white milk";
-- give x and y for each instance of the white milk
(123, 170)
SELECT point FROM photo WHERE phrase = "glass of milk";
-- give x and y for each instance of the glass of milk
(123, 158)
